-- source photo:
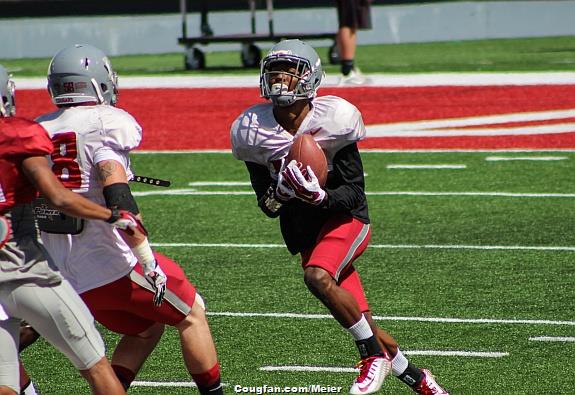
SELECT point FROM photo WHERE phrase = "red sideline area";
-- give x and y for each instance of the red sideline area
(196, 119)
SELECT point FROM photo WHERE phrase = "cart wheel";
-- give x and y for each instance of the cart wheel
(251, 55)
(333, 54)
(194, 59)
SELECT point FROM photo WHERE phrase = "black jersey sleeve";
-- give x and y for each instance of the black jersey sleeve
(346, 185)
(264, 187)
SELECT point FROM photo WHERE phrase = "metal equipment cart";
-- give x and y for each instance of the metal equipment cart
(250, 53)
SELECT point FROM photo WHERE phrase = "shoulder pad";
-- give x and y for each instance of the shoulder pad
(19, 136)
(121, 131)
(337, 119)
(256, 136)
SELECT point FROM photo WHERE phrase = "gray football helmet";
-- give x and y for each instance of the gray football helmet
(309, 73)
(7, 92)
(82, 73)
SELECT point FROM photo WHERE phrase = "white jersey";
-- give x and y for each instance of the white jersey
(84, 136)
(332, 121)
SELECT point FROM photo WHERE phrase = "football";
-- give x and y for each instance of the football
(306, 151)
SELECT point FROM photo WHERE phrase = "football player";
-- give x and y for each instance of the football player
(328, 226)
(92, 140)
(30, 288)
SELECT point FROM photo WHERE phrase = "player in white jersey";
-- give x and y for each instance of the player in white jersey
(30, 287)
(84, 136)
(328, 226)
(92, 140)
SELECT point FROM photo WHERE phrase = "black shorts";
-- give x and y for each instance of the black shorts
(355, 14)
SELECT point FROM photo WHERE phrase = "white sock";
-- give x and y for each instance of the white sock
(361, 329)
(30, 390)
(398, 363)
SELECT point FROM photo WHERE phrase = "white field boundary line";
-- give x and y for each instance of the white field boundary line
(194, 192)
(220, 183)
(383, 80)
(552, 339)
(368, 151)
(337, 369)
(525, 158)
(384, 246)
(417, 167)
(439, 320)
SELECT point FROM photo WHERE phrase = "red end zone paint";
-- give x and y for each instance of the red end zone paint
(183, 119)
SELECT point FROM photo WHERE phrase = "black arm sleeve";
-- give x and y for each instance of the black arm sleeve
(346, 185)
(264, 187)
(120, 196)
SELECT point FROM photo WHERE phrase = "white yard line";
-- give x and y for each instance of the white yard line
(385, 246)
(163, 384)
(524, 158)
(440, 320)
(476, 354)
(301, 368)
(443, 151)
(218, 245)
(218, 183)
(439, 167)
(194, 192)
(337, 369)
(364, 150)
(488, 194)
(552, 339)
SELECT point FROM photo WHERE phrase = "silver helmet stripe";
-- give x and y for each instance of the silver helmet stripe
(98, 91)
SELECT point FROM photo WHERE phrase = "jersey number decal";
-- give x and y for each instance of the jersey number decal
(64, 156)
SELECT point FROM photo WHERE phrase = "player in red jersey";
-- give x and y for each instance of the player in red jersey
(30, 287)
(328, 226)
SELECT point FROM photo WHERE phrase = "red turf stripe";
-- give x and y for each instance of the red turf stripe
(177, 119)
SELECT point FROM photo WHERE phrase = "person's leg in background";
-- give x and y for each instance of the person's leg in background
(353, 15)
(205, 28)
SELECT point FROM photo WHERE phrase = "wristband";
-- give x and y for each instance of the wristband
(145, 256)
